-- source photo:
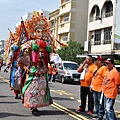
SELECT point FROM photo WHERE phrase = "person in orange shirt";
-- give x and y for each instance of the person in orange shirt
(87, 69)
(110, 87)
(54, 72)
(50, 68)
(96, 85)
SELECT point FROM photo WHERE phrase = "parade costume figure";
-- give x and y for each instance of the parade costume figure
(23, 63)
(36, 90)
(12, 63)
(33, 77)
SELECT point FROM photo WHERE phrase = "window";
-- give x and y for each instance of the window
(52, 24)
(109, 9)
(70, 66)
(51, 31)
(97, 40)
(107, 35)
(63, 6)
(97, 14)
(62, 25)
(66, 18)
(65, 37)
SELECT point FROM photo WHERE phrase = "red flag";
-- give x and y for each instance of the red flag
(23, 34)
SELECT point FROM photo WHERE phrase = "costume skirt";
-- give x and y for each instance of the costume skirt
(37, 94)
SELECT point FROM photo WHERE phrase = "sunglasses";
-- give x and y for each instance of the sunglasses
(107, 63)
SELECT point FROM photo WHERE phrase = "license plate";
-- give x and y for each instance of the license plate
(76, 79)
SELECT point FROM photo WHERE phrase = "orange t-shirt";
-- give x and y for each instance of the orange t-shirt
(50, 68)
(110, 82)
(54, 71)
(88, 76)
(97, 79)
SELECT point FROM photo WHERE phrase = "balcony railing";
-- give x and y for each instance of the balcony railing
(97, 42)
(94, 18)
(107, 41)
(107, 14)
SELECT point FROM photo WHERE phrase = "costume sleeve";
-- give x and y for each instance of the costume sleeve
(26, 45)
(10, 57)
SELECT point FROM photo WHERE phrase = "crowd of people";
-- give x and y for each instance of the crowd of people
(100, 82)
(52, 72)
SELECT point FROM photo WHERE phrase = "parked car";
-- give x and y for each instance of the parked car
(67, 72)
(117, 67)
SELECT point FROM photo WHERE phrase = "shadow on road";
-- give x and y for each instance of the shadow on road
(8, 102)
(49, 112)
(61, 98)
(5, 96)
(69, 83)
(3, 82)
(81, 113)
(3, 115)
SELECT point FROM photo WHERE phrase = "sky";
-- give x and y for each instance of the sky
(11, 12)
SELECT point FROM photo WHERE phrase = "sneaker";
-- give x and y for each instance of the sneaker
(95, 117)
(89, 112)
(16, 96)
(80, 110)
(100, 118)
(35, 111)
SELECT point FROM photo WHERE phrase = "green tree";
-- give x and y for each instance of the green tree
(69, 53)
(117, 62)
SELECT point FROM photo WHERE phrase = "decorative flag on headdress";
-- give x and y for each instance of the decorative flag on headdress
(62, 44)
(23, 37)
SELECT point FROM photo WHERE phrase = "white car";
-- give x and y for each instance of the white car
(117, 67)
(67, 72)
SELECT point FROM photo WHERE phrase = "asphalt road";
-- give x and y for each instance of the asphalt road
(65, 97)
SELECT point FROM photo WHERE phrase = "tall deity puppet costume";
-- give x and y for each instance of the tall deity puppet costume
(12, 63)
(36, 91)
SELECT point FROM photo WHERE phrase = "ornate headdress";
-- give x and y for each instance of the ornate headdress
(39, 26)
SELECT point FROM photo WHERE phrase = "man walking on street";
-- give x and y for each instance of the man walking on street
(110, 88)
(50, 68)
(86, 70)
(96, 85)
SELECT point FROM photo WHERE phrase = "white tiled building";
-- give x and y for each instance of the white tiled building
(101, 26)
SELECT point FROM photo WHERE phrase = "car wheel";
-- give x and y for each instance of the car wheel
(63, 80)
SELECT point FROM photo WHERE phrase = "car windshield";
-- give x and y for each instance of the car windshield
(70, 66)
(118, 69)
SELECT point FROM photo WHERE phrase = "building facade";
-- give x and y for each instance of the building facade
(2, 46)
(53, 20)
(71, 21)
(102, 31)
